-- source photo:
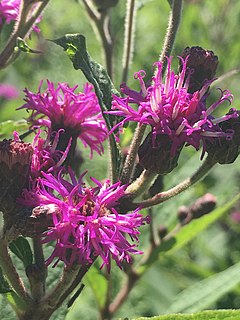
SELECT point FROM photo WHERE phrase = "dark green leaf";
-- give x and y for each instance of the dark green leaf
(21, 248)
(22, 45)
(4, 286)
(75, 47)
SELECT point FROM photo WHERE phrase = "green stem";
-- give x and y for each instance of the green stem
(141, 184)
(129, 36)
(21, 30)
(101, 24)
(132, 154)
(10, 272)
(38, 285)
(164, 196)
(173, 24)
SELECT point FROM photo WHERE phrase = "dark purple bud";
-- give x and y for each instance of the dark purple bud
(226, 151)
(202, 64)
(184, 215)
(203, 205)
(162, 231)
(156, 155)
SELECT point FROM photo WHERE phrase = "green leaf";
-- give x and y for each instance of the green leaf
(205, 315)
(4, 285)
(21, 248)
(204, 293)
(98, 284)
(187, 233)
(7, 127)
(195, 227)
(24, 47)
(75, 47)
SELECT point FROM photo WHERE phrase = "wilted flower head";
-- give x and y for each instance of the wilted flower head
(170, 110)
(15, 160)
(79, 114)
(87, 224)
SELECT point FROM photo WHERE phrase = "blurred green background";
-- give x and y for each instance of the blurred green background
(213, 25)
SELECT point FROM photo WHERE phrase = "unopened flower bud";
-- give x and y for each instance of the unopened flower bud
(15, 160)
(226, 151)
(203, 205)
(203, 65)
(162, 231)
(184, 215)
(156, 155)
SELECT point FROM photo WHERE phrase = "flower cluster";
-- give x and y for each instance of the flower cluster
(77, 113)
(86, 223)
(170, 110)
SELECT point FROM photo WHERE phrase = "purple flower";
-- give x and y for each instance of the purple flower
(46, 158)
(79, 114)
(9, 10)
(171, 110)
(86, 223)
(8, 91)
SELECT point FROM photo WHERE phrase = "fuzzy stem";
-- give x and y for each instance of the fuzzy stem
(141, 184)
(10, 272)
(132, 278)
(164, 196)
(129, 36)
(21, 30)
(173, 24)
(132, 154)
(102, 26)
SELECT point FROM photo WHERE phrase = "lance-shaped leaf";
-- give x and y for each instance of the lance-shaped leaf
(205, 315)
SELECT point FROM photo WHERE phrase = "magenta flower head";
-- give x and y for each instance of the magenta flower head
(171, 110)
(9, 10)
(46, 157)
(86, 223)
(8, 91)
(79, 114)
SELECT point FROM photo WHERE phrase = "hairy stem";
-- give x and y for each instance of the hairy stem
(10, 271)
(101, 23)
(173, 24)
(164, 196)
(121, 297)
(132, 154)
(141, 184)
(129, 36)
